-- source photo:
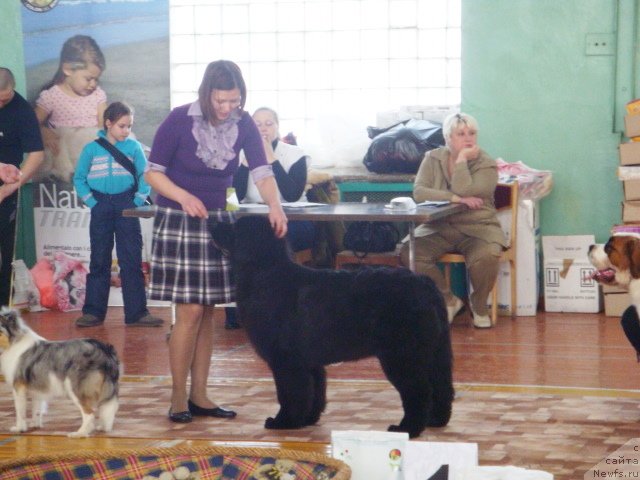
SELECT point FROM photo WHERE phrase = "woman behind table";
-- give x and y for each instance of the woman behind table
(460, 172)
(289, 164)
(194, 156)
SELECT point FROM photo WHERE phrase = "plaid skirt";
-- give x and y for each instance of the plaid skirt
(186, 266)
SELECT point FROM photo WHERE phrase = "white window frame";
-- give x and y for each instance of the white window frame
(329, 68)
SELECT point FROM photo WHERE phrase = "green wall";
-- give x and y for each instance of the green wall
(541, 100)
(11, 50)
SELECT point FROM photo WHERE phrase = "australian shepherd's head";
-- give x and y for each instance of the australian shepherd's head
(12, 327)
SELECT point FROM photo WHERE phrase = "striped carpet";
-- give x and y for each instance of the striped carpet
(560, 430)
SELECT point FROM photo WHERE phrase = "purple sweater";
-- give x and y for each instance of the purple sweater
(174, 149)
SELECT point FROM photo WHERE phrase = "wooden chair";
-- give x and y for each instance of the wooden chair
(506, 198)
(303, 256)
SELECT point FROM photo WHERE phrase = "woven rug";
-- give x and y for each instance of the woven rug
(562, 431)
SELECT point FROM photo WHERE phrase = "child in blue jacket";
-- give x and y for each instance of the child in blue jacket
(107, 188)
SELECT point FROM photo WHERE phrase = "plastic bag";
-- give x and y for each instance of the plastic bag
(401, 147)
(371, 237)
(25, 292)
(42, 273)
(69, 281)
(534, 184)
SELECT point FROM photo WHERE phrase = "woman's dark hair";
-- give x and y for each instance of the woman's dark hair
(220, 75)
(78, 52)
(115, 111)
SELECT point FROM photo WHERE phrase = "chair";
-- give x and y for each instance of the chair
(506, 198)
(303, 256)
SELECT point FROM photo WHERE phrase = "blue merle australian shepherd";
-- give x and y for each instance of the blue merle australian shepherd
(84, 370)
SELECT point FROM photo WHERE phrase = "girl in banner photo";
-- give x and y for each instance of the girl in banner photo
(70, 107)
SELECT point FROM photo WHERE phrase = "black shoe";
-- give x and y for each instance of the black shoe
(180, 417)
(210, 412)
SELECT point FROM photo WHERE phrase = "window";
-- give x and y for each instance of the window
(318, 61)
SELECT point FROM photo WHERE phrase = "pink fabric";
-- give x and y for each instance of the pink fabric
(42, 273)
(67, 111)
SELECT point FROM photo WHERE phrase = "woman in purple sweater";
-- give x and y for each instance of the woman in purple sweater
(193, 159)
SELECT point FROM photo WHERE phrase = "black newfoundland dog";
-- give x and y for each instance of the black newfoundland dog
(300, 319)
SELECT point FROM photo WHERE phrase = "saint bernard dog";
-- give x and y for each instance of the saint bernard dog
(618, 263)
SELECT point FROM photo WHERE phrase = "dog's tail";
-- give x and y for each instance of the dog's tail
(110, 368)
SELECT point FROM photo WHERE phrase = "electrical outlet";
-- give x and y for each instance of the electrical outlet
(600, 44)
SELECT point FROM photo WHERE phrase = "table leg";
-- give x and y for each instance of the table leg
(412, 247)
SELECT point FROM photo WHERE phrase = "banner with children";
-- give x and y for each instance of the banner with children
(81, 56)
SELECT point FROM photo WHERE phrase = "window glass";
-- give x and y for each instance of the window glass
(318, 61)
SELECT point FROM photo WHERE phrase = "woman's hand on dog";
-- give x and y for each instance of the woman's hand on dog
(278, 221)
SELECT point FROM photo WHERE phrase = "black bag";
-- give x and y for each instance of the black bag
(122, 159)
(401, 147)
(371, 237)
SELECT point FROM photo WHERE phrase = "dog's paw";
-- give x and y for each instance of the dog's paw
(20, 427)
(78, 434)
(270, 423)
(279, 424)
(311, 420)
(36, 424)
(397, 428)
(102, 428)
(435, 422)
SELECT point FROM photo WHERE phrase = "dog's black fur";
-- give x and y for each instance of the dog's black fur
(631, 326)
(300, 319)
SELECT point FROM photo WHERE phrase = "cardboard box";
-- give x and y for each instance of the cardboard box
(568, 286)
(631, 189)
(612, 289)
(629, 153)
(633, 106)
(616, 303)
(527, 261)
(632, 125)
(631, 211)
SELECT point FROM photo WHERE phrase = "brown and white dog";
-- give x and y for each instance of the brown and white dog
(84, 370)
(618, 263)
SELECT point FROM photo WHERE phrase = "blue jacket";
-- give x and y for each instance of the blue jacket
(98, 170)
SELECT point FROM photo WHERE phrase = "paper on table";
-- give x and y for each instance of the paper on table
(434, 203)
(253, 205)
(284, 204)
(301, 204)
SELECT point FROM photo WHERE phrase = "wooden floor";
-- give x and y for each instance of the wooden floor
(553, 351)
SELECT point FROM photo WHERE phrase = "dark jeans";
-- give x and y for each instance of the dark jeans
(300, 234)
(107, 224)
(8, 212)
(631, 326)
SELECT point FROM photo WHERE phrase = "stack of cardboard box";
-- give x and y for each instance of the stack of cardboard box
(616, 300)
(629, 172)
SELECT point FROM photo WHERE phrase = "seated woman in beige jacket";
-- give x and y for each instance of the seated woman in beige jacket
(460, 172)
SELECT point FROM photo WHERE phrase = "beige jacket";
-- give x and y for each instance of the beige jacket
(475, 178)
